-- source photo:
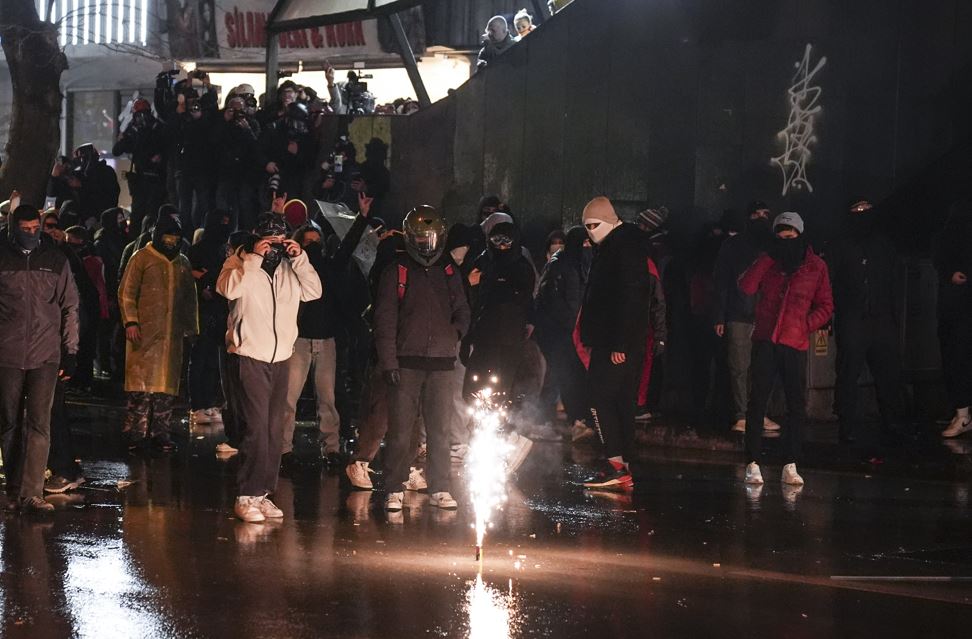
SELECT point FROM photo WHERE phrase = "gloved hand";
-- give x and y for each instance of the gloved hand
(392, 377)
(659, 349)
(69, 365)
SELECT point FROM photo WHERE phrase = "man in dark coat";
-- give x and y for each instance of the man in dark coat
(863, 265)
(619, 309)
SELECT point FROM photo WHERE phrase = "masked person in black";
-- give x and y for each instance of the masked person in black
(953, 261)
(88, 181)
(863, 265)
(239, 169)
(502, 285)
(290, 151)
(157, 297)
(38, 344)
(733, 312)
(559, 298)
(191, 128)
(207, 257)
(145, 140)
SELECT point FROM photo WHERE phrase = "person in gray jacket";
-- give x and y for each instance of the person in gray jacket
(38, 344)
(421, 314)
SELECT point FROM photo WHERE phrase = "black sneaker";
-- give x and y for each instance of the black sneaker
(610, 479)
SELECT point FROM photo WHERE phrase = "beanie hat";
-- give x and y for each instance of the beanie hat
(789, 218)
(653, 219)
(600, 208)
(493, 220)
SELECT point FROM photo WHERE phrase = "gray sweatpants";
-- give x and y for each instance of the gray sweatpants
(263, 404)
(321, 354)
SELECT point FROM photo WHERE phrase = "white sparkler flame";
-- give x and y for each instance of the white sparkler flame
(486, 461)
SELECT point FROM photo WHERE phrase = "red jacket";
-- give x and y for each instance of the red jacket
(790, 307)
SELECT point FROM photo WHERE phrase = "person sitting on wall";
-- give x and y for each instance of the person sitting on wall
(496, 41)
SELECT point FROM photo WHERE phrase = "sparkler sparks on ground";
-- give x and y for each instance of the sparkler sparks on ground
(486, 462)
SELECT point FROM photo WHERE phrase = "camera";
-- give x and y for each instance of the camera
(360, 100)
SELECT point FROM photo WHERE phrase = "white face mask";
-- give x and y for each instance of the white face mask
(459, 254)
(597, 229)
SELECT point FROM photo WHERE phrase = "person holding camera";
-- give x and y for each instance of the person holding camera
(239, 169)
(290, 151)
(87, 180)
(191, 124)
(265, 281)
(145, 140)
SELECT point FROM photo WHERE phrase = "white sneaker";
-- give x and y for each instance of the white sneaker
(443, 500)
(520, 448)
(740, 426)
(960, 424)
(223, 448)
(753, 475)
(644, 416)
(790, 476)
(215, 415)
(358, 473)
(248, 509)
(393, 501)
(269, 509)
(770, 425)
(580, 431)
(416, 480)
(201, 416)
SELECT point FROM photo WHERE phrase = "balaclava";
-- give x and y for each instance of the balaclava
(167, 237)
(26, 241)
(789, 253)
(504, 235)
(600, 219)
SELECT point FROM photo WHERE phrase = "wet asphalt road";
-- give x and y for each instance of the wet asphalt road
(691, 553)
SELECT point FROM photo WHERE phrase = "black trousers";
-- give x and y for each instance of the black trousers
(429, 393)
(204, 371)
(769, 360)
(229, 374)
(26, 397)
(565, 378)
(872, 341)
(263, 405)
(955, 337)
(61, 459)
(613, 392)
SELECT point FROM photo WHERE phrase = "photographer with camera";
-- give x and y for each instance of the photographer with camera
(145, 140)
(239, 169)
(265, 281)
(87, 180)
(191, 122)
(290, 151)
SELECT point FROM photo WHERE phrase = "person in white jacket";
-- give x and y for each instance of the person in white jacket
(265, 281)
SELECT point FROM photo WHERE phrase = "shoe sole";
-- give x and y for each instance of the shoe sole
(268, 516)
(444, 506)
(791, 483)
(623, 484)
(755, 482)
(74, 485)
(415, 489)
(252, 519)
(393, 509)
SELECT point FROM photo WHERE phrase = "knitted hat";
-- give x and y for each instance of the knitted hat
(600, 208)
(789, 218)
(653, 219)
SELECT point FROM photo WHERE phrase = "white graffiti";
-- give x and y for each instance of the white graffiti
(799, 133)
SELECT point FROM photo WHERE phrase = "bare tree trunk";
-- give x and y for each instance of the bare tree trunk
(36, 62)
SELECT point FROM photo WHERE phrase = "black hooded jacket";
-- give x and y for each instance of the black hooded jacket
(207, 257)
(109, 244)
(863, 264)
(623, 298)
(503, 301)
(953, 254)
(561, 289)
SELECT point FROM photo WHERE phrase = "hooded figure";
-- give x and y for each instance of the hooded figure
(110, 243)
(157, 295)
(496, 41)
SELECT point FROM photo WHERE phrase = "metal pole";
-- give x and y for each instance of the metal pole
(408, 57)
(273, 47)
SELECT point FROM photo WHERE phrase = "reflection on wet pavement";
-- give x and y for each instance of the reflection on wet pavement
(150, 549)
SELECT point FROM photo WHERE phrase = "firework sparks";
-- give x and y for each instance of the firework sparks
(486, 462)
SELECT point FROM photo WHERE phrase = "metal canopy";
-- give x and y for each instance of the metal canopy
(288, 15)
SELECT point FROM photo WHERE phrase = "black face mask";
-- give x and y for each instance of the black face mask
(761, 230)
(26, 241)
(587, 258)
(789, 253)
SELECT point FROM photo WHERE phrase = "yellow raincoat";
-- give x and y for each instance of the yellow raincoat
(160, 295)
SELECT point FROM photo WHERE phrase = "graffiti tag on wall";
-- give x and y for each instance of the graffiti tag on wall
(799, 134)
